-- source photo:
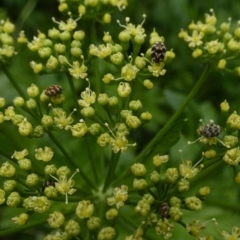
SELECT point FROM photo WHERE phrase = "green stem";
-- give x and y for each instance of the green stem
(143, 155)
(13, 82)
(111, 169)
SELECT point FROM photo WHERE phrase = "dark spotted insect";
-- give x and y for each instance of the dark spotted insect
(210, 130)
(53, 90)
(158, 52)
(164, 210)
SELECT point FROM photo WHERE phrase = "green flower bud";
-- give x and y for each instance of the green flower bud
(76, 43)
(37, 204)
(38, 132)
(106, 233)
(103, 99)
(31, 104)
(222, 64)
(13, 199)
(45, 154)
(108, 78)
(79, 129)
(53, 33)
(133, 121)
(117, 48)
(2, 102)
(175, 202)
(16, 119)
(237, 32)
(93, 223)
(106, 18)
(146, 116)
(135, 105)
(79, 35)
(72, 228)
(9, 185)
(124, 89)
(2, 196)
(81, 9)
(125, 113)
(104, 140)
(171, 175)
(95, 128)
(18, 101)
(32, 179)
(224, 107)
(21, 219)
(175, 213)
(117, 58)
(204, 191)
(224, 27)
(25, 164)
(62, 7)
(59, 48)
(140, 62)
(65, 36)
(155, 177)
(124, 36)
(210, 154)
(237, 178)
(7, 170)
(139, 39)
(52, 63)
(139, 184)
(138, 169)
(193, 203)
(32, 91)
(63, 60)
(88, 112)
(113, 101)
(6, 39)
(230, 140)
(143, 207)
(147, 84)
(233, 45)
(183, 185)
(111, 214)
(232, 157)
(56, 219)
(50, 169)
(47, 42)
(59, 99)
(84, 209)
(197, 53)
(8, 27)
(51, 192)
(44, 97)
(9, 113)
(45, 52)
(158, 160)
(47, 121)
(64, 170)
(233, 121)
(37, 67)
(76, 52)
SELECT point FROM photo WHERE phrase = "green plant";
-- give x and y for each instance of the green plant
(74, 160)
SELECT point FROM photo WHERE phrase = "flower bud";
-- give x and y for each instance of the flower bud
(155, 177)
(103, 99)
(171, 175)
(111, 214)
(13, 199)
(59, 99)
(25, 127)
(25, 164)
(183, 185)
(93, 223)
(72, 228)
(44, 155)
(76, 52)
(175, 213)
(158, 160)
(230, 140)
(104, 140)
(113, 101)
(197, 53)
(138, 169)
(21, 219)
(129, 72)
(133, 121)
(140, 62)
(106, 233)
(56, 219)
(204, 191)
(52, 63)
(7, 170)
(124, 36)
(95, 128)
(16, 119)
(222, 64)
(50, 169)
(37, 204)
(44, 97)
(139, 184)
(53, 33)
(47, 121)
(193, 203)
(31, 104)
(79, 129)
(79, 35)
(116, 58)
(65, 36)
(18, 102)
(32, 91)
(2, 102)
(45, 52)
(107, 18)
(108, 78)
(147, 84)
(2, 196)
(88, 112)
(32, 179)
(9, 185)
(224, 107)
(146, 116)
(233, 121)
(84, 209)
(135, 105)
(124, 89)
(232, 156)
(175, 202)
(210, 154)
